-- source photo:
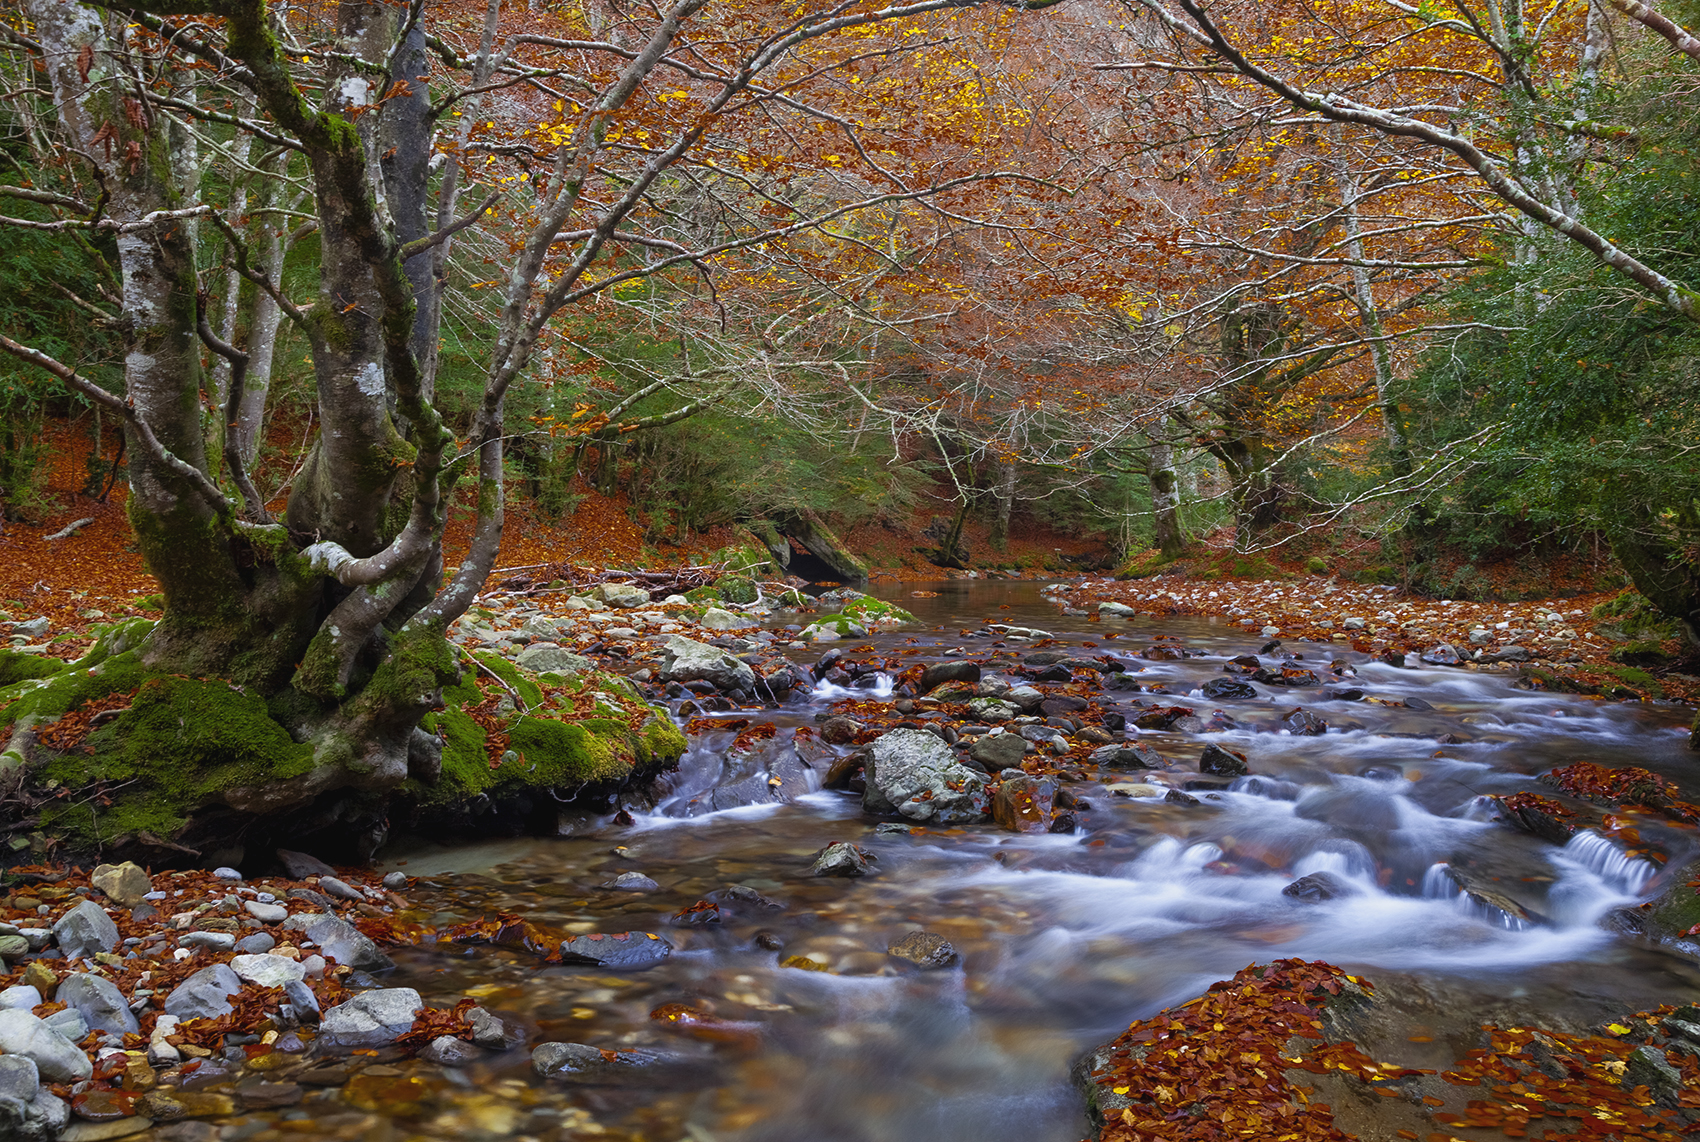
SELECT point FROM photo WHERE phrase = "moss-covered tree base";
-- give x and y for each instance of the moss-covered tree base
(105, 758)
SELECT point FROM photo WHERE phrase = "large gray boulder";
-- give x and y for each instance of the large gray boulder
(371, 1019)
(58, 1061)
(916, 775)
(716, 619)
(546, 659)
(85, 930)
(339, 940)
(687, 660)
(204, 995)
(98, 1000)
(623, 595)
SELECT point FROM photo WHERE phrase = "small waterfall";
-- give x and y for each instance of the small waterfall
(1610, 863)
(874, 686)
(1438, 883)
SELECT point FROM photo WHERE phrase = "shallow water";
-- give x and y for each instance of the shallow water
(1064, 939)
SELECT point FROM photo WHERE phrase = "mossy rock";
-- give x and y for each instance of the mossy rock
(181, 746)
(547, 747)
(868, 610)
(841, 625)
(1316, 565)
(1641, 652)
(15, 667)
(1141, 564)
(1643, 684)
(705, 596)
(735, 589)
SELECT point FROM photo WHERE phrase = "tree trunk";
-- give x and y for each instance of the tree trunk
(1005, 495)
(1167, 533)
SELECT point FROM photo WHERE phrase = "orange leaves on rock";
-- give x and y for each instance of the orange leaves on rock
(1628, 785)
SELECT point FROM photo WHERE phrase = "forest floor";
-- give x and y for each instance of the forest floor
(1306, 590)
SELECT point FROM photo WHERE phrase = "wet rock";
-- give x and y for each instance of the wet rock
(1132, 755)
(938, 673)
(1121, 681)
(717, 619)
(1648, 1067)
(204, 995)
(617, 951)
(1223, 762)
(447, 1051)
(1118, 610)
(85, 930)
(340, 941)
(1058, 704)
(845, 770)
(1023, 805)
(1441, 654)
(700, 914)
(395, 881)
(926, 950)
(58, 1061)
(1316, 887)
(1063, 823)
(1223, 689)
(916, 775)
(1024, 698)
(258, 1094)
(99, 1002)
(303, 1005)
(566, 1060)
(1176, 797)
(266, 913)
(632, 882)
(841, 858)
(256, 944)
(686, 660)
(21, 997)
(489, 1030)
(1162, 717)
(999, 751)
(1391, 657)
(1057, 673)
(124, 884)
(1302, 723)
(371, 1019)
(992, 710)
(1511, 653)
(839, 730)
(217, 941)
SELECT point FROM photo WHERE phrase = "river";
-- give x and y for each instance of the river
(1063, 939)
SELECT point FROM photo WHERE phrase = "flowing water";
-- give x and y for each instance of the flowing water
(1064, 938)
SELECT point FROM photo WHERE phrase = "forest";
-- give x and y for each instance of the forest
(635, 432)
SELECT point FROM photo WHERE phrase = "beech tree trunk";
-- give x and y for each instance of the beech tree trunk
(1167, 533)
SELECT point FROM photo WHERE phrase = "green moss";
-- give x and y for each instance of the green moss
(527, 689)
(707, 596)
(15, 667)
(868, 609)
(1637, 680)
(1142, 563)
(181, 746)
(420, 662)
(659, 742)
(735, 589)
(556, 753)
(72, 687)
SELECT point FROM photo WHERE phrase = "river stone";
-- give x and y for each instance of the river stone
(488, 1030)
(925, 950)
(1222, 762)
(841, 858)
(1023, 804)
(23, 1034)
(204, 995)
(331, 886)
(1648, 1067)
(1442, 654)
(992, 710)
(125, 883)
(544, 659)
(68, 1023)
(716, 619)
(561, 1060)
(915, 774)
(266, 970)
(686, 660)
(13, 946)
(1120, 610)
(266, 913)
(1301, 723)
(1127, 756)
(938, 673)
(302, 1000)
(98, 1000)
(20, 997)
(999, 751)
(371, 1019)
(1026, 698)
(340, 941)
(447, 1051)
(622, 595)
(28, 1111)
(257, 944)
(632, 882)
(1220, 689)
(617, 951)
(217, 941)
(85, 930)
(1316, 887)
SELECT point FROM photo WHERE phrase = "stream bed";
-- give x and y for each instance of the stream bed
(1061, 938)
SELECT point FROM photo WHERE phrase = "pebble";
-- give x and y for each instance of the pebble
(266, 913)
